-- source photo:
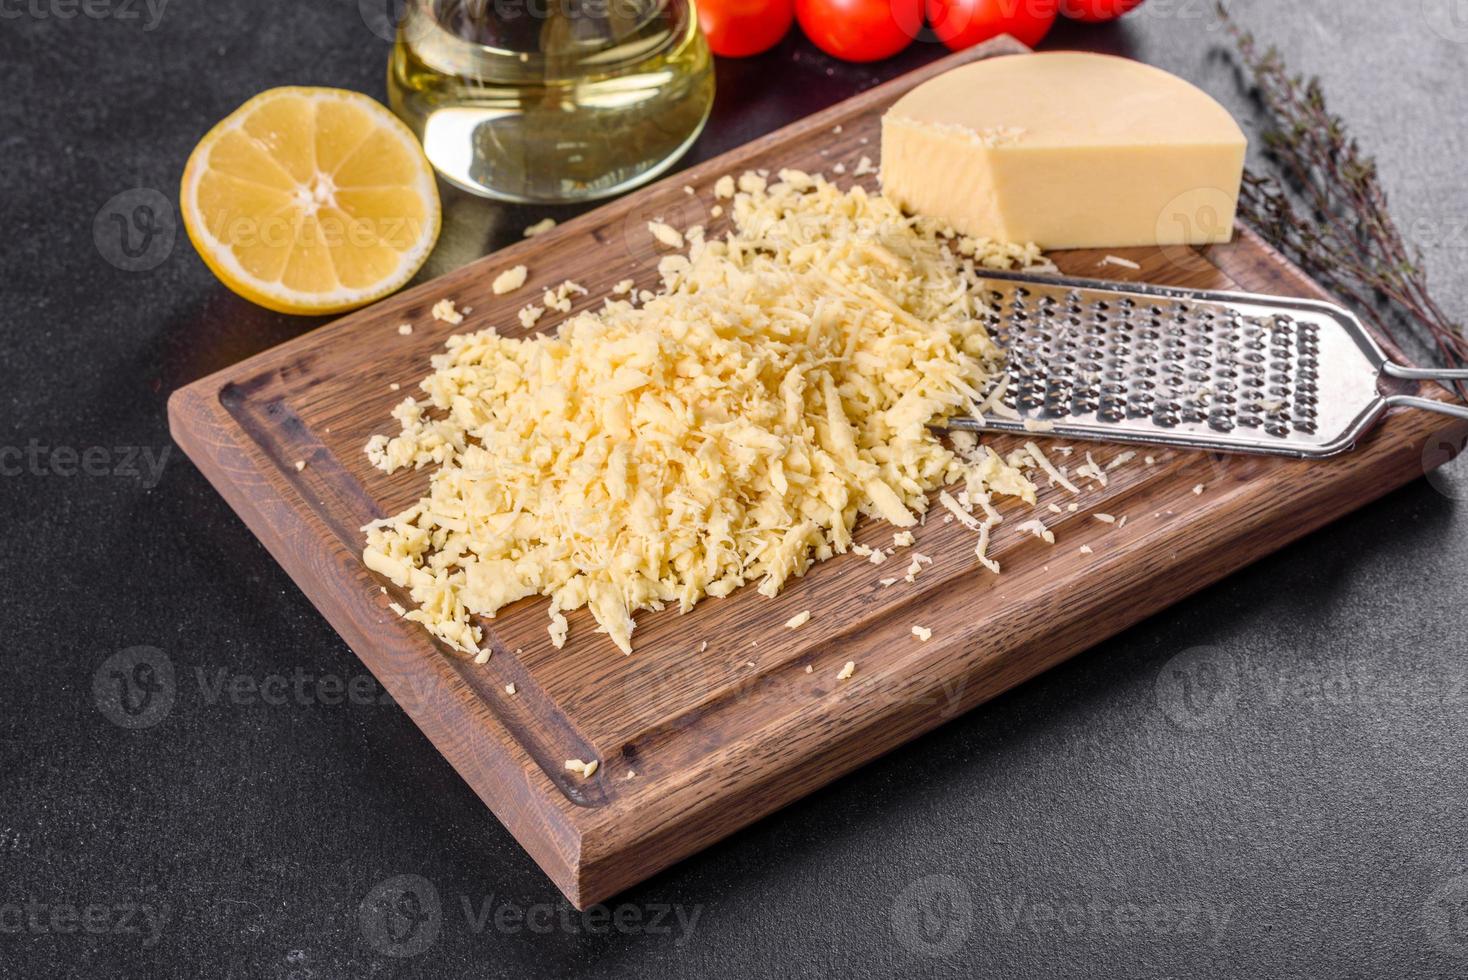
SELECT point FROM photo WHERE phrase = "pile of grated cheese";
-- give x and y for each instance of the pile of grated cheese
(728, 430)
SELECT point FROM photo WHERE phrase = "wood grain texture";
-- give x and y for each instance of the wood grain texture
(718, 738)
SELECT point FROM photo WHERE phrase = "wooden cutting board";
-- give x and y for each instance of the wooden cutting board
(720, 736)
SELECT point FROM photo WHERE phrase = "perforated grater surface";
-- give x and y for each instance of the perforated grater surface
(1158, 365)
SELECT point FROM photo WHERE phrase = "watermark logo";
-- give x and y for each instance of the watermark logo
(933, 916)
(1448, 19)
(1198, 688)
(135, 688)
(1201, 214)
(135, 230)
(1445, 463)
(401, 917)
(1445, 917)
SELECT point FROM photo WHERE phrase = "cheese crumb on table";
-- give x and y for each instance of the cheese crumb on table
(798, 620)
(444, 310)
(846, 670)
(540, 227)
(922, 633)
(509, 280)
(781, 385)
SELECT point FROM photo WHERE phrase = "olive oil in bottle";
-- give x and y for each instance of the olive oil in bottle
(551, 101)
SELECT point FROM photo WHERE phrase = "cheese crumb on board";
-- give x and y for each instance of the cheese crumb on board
(529, 315)
(1118, 260)
(540, 227)
(724, 186)
(729, 431)
(1038, 529)
(1086, 549)
(903, 539)
(623, 288)
(916, 566)
(1055, 475)
(444, 310)
(404, 329)
(665, 234)
(510, 689)
(300, 465)
(922, 633)
(586, 769)
(798, 620)
(846, 670)
(1198, 490)
(482, 657)
(509, 280)
(1105, 518)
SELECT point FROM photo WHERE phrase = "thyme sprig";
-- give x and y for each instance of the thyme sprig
(1343, 231)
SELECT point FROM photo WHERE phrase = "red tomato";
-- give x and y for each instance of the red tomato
(740, 28)
(1096, 11)
(860, 30)
(963, 23)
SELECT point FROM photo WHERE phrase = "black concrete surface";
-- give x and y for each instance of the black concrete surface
(1268, 780)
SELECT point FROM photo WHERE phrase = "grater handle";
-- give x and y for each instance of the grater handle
(1425, 374)
(1429, 405)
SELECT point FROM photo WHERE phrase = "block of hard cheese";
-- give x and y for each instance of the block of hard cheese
(1066, 150)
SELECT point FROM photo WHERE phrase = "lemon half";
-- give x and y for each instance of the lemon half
(311, 200)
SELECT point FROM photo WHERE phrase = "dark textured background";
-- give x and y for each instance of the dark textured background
(1301, 816)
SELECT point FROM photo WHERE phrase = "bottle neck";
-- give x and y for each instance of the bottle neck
(538, 40)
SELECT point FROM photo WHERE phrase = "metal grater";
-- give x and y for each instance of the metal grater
(1157, 365)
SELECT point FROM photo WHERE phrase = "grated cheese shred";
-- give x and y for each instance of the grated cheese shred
(729, 430)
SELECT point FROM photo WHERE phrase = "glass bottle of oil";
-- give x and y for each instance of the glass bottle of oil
(551, 101)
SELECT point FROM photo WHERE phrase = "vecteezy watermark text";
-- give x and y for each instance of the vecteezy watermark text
(138, 687)
(403, 915)
(149, 12)
(93, 919)
(142, 463)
